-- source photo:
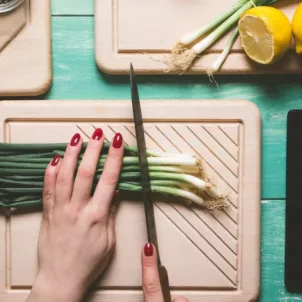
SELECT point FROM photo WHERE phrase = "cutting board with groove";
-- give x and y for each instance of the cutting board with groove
(213, 255)
(25, 49)
(143, 32)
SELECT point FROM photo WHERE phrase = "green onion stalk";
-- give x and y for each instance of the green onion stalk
(224, 54)
(22, 168)
(183, 55)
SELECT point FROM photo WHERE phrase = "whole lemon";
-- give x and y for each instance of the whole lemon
(297, 28)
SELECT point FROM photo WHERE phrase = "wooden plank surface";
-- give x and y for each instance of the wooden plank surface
(272, 253)
(177, 127)
(76, 77)
(121, 39)
(25, 50)
(72, 7)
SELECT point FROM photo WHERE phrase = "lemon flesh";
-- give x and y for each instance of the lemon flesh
(297, 29)
(265, 34)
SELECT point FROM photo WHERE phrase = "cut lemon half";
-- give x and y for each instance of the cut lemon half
(297, 29)
(265, 33)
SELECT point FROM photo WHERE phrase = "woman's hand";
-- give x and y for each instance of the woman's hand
(77, 234)
(151, 283)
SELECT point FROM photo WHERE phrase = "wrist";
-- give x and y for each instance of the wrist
(45, 290)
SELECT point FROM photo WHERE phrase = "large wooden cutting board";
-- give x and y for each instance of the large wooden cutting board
(143, 32)
(213, 257)
(25, 49)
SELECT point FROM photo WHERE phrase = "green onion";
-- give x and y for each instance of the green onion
(195, 182)
(23, 204)
(194, 35)
(22, 169)
(222, 57)
(123, 186)
(127, 160)
(32, 155)
(23, 149)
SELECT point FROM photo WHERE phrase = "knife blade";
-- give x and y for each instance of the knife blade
(146, 184)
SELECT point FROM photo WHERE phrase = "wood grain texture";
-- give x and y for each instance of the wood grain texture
(272, 253)
(72, 7)
(25, 52)
(12, 24)
(190, 231)
(125, 32)
(76, 77)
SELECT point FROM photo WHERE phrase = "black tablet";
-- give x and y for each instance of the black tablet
(293, 226)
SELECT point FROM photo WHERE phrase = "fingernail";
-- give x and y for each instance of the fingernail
(148, 250)
(75, 140)
(117, 141)
(55, 160)
(98, 134)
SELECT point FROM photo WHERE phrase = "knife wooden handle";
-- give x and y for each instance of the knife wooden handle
(164, 281)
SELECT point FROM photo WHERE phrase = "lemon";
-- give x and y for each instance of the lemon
(297, 28)
(266, 34)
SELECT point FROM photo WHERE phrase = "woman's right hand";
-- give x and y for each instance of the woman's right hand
(151, 283)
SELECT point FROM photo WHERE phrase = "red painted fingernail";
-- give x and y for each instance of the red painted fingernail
(98, 134)
(75, 140)
(55, 160)
(117, 141)
(148, 250)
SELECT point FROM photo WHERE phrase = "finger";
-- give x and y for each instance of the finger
(49, 186)
(151, 284)
(181, 299)
(86, 172)
(112, 219)
(65, 177)
(109, 179)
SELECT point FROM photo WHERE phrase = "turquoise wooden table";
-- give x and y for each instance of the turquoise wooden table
(76, 77)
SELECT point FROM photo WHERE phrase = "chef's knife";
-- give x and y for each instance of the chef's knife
(146, 185)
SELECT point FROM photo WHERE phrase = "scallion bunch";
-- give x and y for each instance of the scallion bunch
(22, 168)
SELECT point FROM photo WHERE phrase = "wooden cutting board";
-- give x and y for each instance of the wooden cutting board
(213, 257)
(143, 32)
(25, 49)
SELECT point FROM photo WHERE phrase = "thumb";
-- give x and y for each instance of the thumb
(151, 284)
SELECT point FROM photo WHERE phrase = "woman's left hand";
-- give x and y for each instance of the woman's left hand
(77, 234)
